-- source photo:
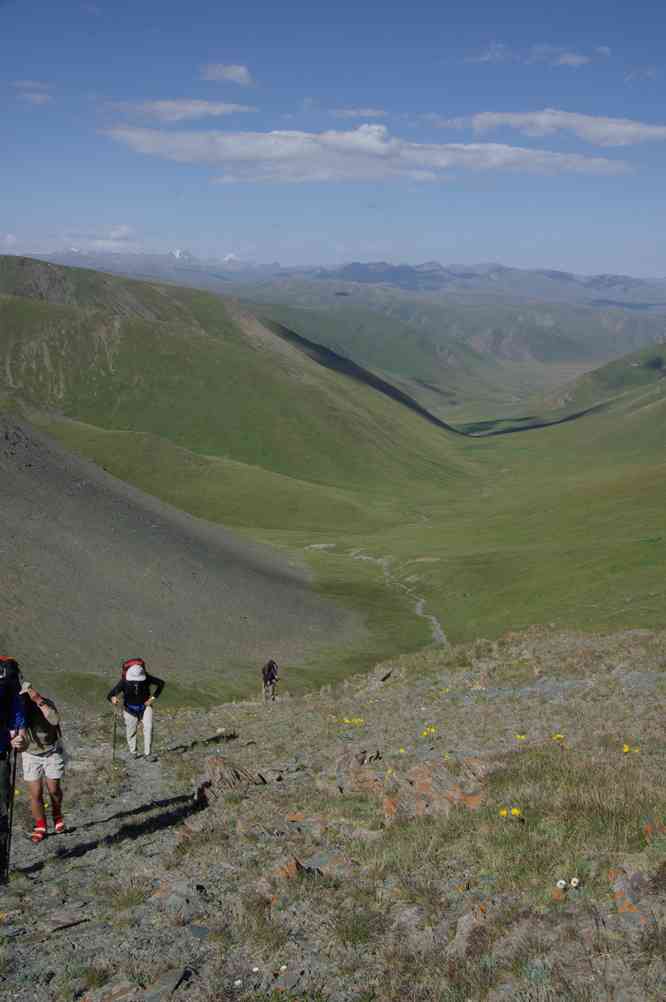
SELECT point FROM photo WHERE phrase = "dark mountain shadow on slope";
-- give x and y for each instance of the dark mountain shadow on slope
(479, 429)
(330, 359)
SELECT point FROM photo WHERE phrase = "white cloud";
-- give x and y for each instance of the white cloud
(30, 85)
(182, 110)
(574, 59)
(39, 97)
(597, 130)
(554, 56)
(358, 113)
(33, 91)
(366, 153)
(119, 237)
(496, 52)
(641, 73)
(227, 71)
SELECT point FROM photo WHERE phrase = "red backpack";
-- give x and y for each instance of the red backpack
(131, 663)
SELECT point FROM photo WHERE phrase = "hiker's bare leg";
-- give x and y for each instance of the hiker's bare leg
(131, 725)
(147, 729)
(36, 793)
(55, 793)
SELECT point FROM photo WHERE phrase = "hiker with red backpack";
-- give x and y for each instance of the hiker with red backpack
(44, 761)
(134, 687)
(12, 740)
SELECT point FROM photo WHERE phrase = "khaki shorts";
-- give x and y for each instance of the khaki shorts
(49, 766)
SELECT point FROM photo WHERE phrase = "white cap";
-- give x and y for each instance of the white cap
(135, 673)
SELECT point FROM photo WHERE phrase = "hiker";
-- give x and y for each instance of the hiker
(138, 701)
(12, 737)
(269, 674)
(45, 760)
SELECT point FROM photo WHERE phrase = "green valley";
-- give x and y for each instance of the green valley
(196, 401)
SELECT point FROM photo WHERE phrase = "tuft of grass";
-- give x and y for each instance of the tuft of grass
(127, 894)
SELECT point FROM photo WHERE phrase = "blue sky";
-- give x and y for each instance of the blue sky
(310, 134)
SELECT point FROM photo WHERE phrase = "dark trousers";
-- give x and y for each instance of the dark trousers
(5, 808)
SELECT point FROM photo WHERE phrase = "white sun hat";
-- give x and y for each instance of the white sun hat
(135, 673)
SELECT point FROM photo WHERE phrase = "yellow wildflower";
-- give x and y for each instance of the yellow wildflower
(428, 731)
(516, 812)
(626, 749)
(558, 737)
(503, 812)
(401, 750)
(521, 737)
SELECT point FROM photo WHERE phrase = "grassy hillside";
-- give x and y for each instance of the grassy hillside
(210, 378)
(470, 362)
(637, 371)
(419, 529)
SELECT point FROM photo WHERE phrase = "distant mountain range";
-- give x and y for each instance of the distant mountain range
(479, 283)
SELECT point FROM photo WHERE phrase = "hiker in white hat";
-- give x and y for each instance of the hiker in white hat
(134, 687)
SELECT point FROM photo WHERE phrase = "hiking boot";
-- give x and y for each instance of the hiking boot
(135, 755)
(150, 758)
(59, 826)
(38, 834)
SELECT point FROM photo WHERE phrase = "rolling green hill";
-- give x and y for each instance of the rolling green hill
(637, 371)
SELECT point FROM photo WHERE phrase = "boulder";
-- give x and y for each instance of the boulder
(472, 936)
(223, 776)
(118, 990)
(428, 789)
(354, 772)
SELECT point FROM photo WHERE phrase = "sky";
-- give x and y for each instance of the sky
(318, 134)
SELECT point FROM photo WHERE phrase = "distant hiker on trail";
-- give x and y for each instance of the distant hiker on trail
(134, 686)
(44, 761)
(269, 674)
(12, 738)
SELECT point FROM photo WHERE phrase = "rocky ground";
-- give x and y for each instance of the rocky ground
(398, 838)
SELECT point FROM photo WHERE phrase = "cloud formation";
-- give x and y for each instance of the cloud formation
(641, 73)
(35, 98)
(599, 131)
(367, 153)
(119, 237)
(554, 56)
(496, 52)
(227, 71)
(33, 91)
(551, 55)
(182, 110)
(358, 113)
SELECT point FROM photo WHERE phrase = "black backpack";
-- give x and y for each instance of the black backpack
(10, 686)
(10, 676)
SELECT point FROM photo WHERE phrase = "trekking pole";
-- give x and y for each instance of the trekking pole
(10, 818)
(115, 728)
